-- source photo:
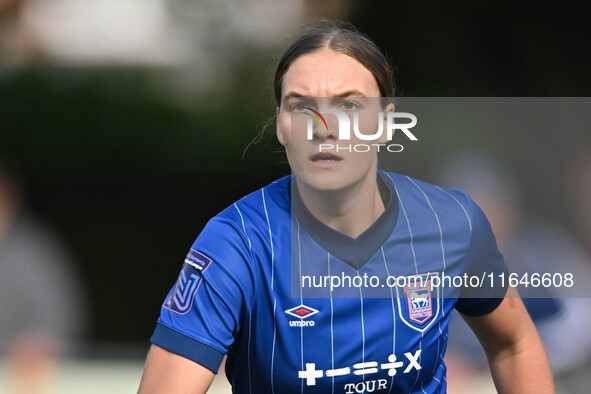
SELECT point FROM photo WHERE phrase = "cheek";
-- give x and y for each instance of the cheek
(294, 129)
(284, 128)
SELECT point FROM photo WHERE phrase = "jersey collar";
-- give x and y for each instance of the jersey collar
(353, 251)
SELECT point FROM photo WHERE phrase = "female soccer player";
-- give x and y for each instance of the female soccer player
(240, 292)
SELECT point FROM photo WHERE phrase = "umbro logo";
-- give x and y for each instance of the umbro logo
(301, 312)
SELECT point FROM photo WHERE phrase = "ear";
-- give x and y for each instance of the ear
(384, 138)
(278, 129)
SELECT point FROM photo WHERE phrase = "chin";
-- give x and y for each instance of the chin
(328, 182)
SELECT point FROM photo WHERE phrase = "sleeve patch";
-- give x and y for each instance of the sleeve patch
(181, 298)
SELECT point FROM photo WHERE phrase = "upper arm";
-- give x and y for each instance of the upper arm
(498, 318)
(507, 327)
(515, 353)
(167, 372)
(493, 311)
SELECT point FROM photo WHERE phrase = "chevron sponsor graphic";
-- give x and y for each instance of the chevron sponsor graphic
(395, 365)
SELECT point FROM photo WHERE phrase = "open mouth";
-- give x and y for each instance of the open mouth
(325, 158)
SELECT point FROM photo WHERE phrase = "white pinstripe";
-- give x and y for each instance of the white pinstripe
(272, 288)
(270, 239)
(301, 303)
(407, 223)
(436, 218)
(420, 357)
(249, 312)
(243, 227)
(273, 351)
(331, 327)
(461, 206)
(249, 335)
(393, 317)
(438, 353)
(362, 325)
(300, 264)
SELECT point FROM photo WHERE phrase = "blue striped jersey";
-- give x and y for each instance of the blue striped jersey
(241, 292)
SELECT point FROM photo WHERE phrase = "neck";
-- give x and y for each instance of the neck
(349, 211)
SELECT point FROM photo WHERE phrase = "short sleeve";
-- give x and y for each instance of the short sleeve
(202, 313)
(484, 260)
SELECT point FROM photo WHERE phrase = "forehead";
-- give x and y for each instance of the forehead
(328, 73)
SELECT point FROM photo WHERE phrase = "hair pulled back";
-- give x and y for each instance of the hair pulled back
(341, 39)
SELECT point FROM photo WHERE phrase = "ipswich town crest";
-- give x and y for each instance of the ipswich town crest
(420, 302)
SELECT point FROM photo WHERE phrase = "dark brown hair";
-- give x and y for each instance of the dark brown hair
(343, 39)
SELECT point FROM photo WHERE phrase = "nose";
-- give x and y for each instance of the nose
(331, 131)
(320, 127)
(337, 125)
(323, 132)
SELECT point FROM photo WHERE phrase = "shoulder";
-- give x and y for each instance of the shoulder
(408, 184)
(443, 202)
(262, 203)
(252, 215)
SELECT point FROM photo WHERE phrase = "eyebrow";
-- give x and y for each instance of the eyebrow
(347, 93)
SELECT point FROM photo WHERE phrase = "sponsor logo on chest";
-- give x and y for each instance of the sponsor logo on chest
(302, 313)
(410, 362)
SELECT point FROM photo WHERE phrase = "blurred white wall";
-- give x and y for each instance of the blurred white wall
(156, 32)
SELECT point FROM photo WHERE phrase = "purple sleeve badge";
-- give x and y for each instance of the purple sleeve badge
(187, 284)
